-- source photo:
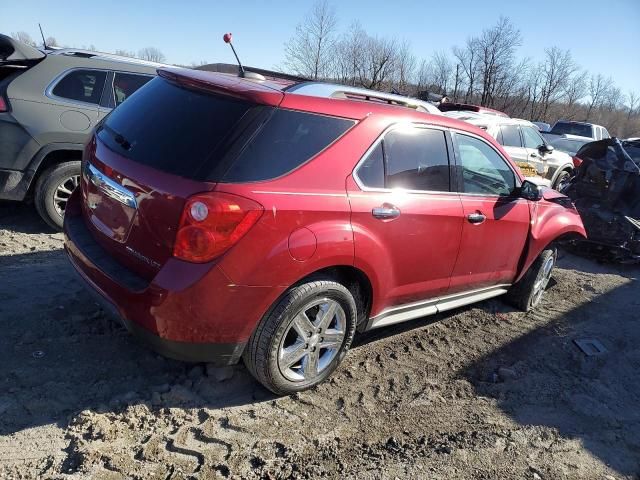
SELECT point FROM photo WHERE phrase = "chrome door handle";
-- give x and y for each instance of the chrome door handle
(385, 212)
(476, 218)
(534, 155)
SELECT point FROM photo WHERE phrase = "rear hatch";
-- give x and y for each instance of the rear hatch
(174, 138)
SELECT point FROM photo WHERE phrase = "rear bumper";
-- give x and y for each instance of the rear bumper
(187, 311)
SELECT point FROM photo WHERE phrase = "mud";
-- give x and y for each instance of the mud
(480, 392)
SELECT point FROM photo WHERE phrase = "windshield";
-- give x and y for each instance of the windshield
(570, 128)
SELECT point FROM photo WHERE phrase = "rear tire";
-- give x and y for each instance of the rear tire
(53, 188)
(527, 293)
(303, 338)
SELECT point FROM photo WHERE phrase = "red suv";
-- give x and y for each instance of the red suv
(223, 218)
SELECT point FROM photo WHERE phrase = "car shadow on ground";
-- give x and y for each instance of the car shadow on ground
(22, 218)
(60, 355)
(548, 381)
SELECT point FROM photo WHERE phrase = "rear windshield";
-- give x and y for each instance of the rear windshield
(567, 128)
(171, 128)
(202, 136)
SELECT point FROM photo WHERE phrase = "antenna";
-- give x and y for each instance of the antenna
(44, 42)
(227, 37)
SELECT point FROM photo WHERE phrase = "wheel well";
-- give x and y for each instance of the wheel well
(53, 158)
(354, 279)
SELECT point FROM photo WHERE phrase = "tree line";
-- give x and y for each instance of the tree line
(151, 54)
(484, 70)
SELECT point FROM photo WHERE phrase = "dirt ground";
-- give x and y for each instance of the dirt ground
(482, 392)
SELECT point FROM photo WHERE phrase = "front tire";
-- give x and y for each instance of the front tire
(303, 338)
(562, 180)
(53, 189)
(527, 293)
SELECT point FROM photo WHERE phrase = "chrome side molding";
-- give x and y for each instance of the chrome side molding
(432, 306)
(109, 187)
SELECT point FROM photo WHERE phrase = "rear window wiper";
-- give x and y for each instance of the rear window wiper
(119, 138)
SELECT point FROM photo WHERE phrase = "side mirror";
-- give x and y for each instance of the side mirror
(530, 191)
(545, 148)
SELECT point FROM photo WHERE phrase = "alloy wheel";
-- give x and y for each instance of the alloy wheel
(543, 280)
(63, 192)
(312, 340)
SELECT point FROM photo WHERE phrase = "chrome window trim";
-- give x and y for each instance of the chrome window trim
(52, 85)
(395, 126)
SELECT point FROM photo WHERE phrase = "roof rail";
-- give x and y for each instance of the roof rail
(331, 90)
(78, 52)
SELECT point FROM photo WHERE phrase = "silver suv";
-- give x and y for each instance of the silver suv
(521, 139)
(49, 103)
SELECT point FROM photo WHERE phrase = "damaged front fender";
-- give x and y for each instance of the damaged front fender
(553, 219)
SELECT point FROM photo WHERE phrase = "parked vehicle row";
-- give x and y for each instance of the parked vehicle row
(49, 103)
(224, 218)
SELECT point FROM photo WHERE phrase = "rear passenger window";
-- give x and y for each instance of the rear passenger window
(371, 171)
(417, 159)
(125, 84)
(81, 85)
(510, 136)
(286, 141)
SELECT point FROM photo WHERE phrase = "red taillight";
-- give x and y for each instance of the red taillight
(3, 105)
(576, 161)
(211, 223)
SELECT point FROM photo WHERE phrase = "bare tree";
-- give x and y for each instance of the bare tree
(406, 65)
(350, 53)
(557, 69)
(125, 53)
(151, 54)
(468, 58)
(24, 37)
(496, 51)
(632, 103)
(441, 71)
(598, 86)
(574, 91)
(310, 51)
(52, 42)
(379, 62)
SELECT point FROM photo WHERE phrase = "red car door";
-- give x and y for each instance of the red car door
(496, 223)
(406, 221)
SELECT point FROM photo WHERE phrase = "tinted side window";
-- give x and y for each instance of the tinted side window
(532, 139)
(286, 141)
(510, 136)
(483, 170)
(371, 171)
(125, 84)
(81, 85)
(417, 159)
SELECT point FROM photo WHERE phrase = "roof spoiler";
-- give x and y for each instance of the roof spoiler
(13, 51)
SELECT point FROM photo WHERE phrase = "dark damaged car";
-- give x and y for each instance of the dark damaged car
(606, 193)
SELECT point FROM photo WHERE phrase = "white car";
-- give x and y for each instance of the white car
(537, 159)
(581, 129)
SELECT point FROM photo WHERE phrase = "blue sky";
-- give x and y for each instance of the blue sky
(603, 36)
